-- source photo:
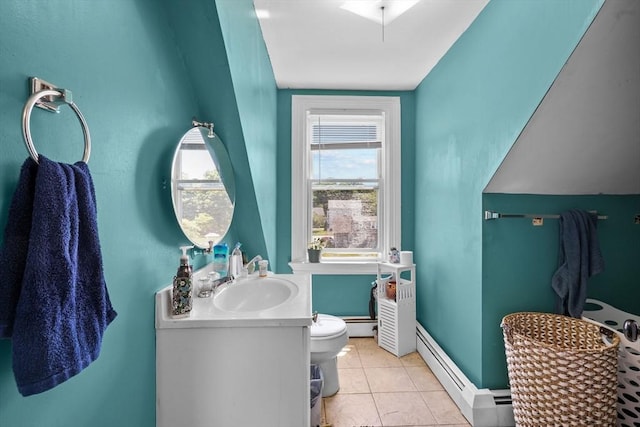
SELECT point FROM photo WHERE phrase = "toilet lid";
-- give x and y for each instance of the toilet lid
(327, 325)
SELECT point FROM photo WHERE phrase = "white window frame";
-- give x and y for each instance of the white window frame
(302, 105)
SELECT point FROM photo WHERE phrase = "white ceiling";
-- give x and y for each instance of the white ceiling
(315, 44)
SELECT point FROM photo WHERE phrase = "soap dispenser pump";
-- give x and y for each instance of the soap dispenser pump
(182, 300)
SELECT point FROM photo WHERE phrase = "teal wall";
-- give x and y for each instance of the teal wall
(256, 96)
(520, 259)
(341, 295)
(139, 70)
(229, 70)
(469, 111)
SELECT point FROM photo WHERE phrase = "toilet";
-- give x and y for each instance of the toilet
(328, 336)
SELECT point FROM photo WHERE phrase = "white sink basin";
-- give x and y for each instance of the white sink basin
(254, 294)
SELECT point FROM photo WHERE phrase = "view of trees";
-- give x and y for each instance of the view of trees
(214, 207)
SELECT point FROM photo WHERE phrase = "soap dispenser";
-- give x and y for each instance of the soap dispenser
(235, 262)
(182, 300)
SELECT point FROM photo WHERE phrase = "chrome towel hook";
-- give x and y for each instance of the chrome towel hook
(46, 96)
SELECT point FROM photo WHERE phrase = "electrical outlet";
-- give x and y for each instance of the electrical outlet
(537, 221)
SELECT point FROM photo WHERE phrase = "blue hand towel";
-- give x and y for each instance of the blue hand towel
(579, 258)
(13, 252)
(63, 309)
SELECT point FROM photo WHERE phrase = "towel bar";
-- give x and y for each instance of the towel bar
(52, 95)
(496, 215)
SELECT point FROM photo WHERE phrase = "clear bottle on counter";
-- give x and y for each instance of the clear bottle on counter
(263, 267)
(221, 259)
(235, 262)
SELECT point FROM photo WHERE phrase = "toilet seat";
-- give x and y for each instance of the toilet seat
(327, 327)
(328, 335)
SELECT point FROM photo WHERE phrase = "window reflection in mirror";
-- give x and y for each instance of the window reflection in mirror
(202, 187)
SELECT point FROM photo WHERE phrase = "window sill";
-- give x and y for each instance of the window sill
(335, 267)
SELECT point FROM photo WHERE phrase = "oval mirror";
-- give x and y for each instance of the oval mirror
(202, 187)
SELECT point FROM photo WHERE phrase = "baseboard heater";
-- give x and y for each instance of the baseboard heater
(481, 407)
(360, 326)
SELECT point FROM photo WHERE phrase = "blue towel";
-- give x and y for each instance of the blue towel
(63, 308)
(13, 252)
(579, 258)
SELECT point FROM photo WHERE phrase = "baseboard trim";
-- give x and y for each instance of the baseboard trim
(360, 326)
(481, 407)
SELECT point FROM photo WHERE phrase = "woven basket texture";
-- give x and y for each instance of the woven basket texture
(561, 371)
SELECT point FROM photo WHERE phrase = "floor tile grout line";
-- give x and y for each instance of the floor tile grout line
(404, 364)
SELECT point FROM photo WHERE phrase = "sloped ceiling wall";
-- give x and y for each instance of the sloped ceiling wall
(584, 137)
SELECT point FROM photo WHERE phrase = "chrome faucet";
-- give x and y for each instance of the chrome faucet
(206, 293)
(251, 265)
(216, 283)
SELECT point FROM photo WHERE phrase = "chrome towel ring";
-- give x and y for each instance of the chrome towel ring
(57, 96)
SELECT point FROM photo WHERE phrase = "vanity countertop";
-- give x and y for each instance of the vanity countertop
(296, 311)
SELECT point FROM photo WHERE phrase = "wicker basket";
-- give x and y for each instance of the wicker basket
(562, 371)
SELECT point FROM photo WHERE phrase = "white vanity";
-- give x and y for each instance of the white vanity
(240, 359)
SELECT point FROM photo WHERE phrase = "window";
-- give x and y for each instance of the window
(345, 176)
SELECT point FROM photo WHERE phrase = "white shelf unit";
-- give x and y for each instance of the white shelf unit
(397, 318)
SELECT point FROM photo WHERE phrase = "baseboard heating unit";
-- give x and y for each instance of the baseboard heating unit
(481, 407)
(360, 326)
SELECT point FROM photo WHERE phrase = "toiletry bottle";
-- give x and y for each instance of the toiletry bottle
(263, 266)
(182, 298)
(235, 262)
(221, 258)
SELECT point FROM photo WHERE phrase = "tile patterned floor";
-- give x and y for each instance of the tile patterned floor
(378, 389)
